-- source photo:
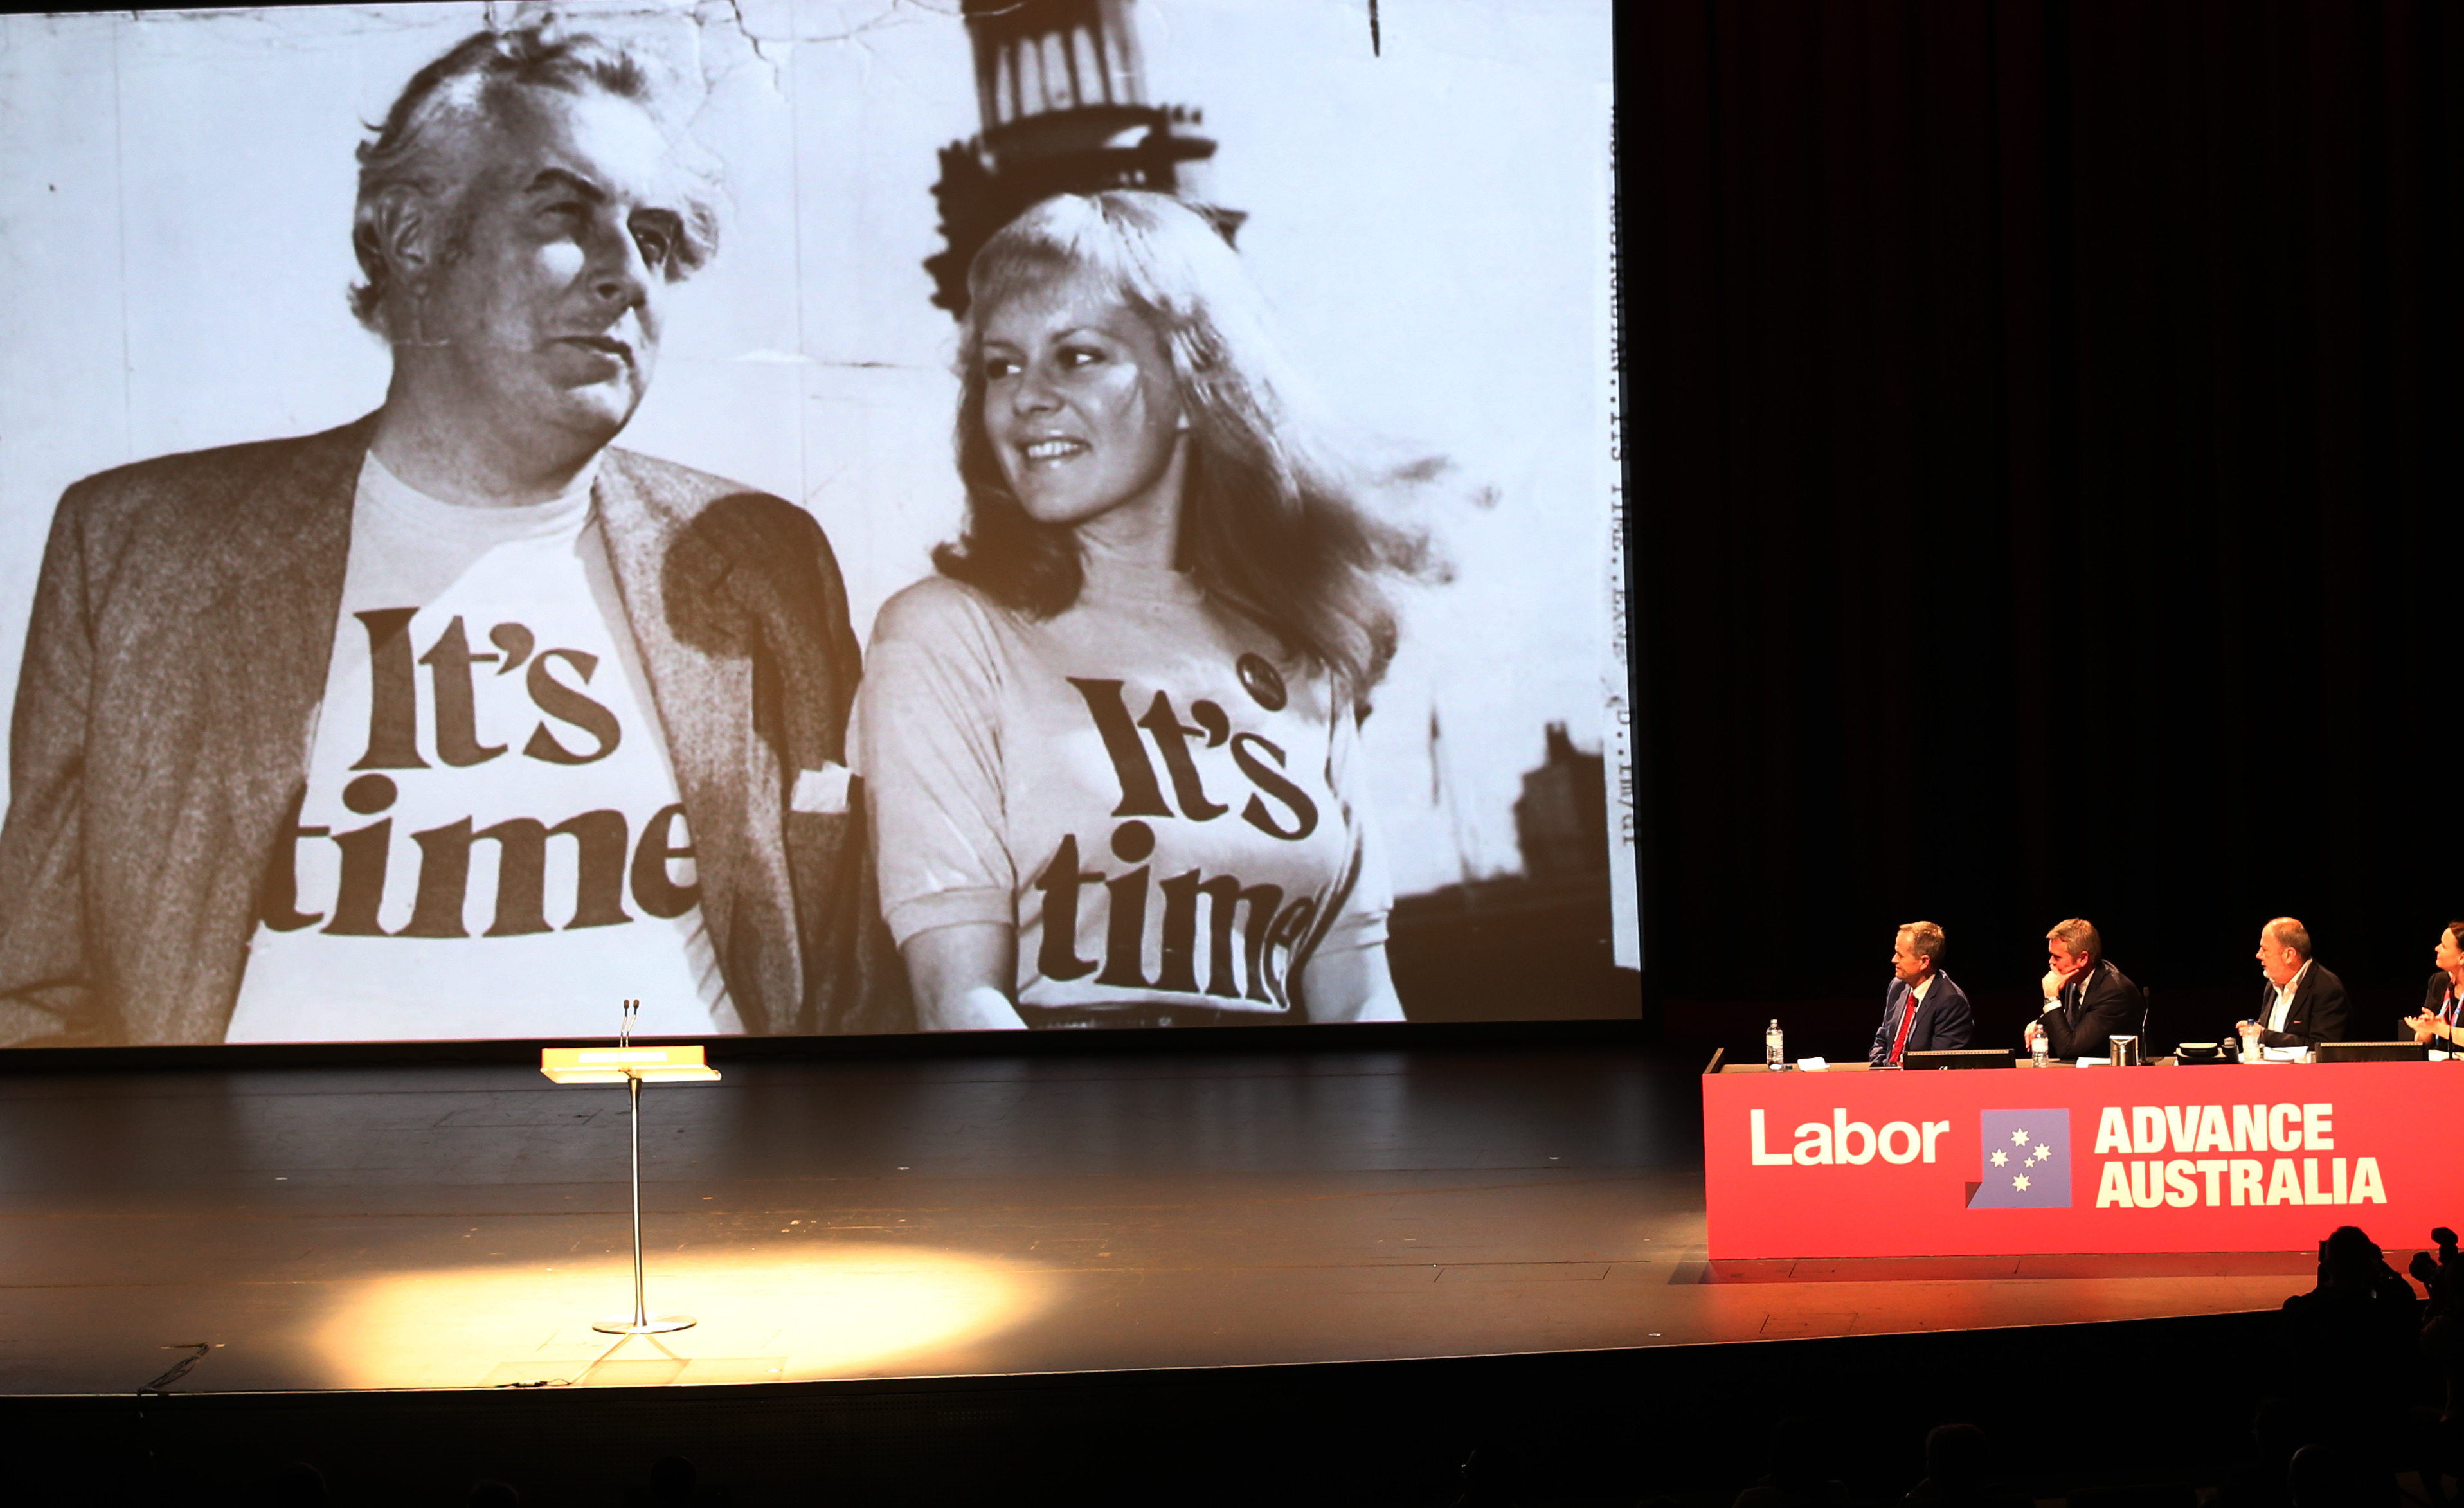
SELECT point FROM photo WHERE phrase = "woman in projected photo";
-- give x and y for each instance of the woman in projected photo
(1113, 748)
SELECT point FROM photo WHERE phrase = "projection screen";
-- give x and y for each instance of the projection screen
(436, 561)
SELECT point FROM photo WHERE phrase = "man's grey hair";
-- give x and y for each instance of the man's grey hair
(460, 90)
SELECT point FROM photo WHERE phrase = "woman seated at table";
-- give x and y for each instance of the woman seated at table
(1112, 750)
(2442, 1008)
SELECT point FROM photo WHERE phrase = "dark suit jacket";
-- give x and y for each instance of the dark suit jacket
(1942, 1019)
(2094, 1006)
(2317, 1013)
(175, 659)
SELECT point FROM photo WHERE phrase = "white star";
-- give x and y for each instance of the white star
(2020, 1183)
(2018, 1138)
(2000, 1158)
(2043, 1149)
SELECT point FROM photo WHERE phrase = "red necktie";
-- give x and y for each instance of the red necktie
(1905, 1021)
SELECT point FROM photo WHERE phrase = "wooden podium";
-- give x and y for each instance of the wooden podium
(632, 1066)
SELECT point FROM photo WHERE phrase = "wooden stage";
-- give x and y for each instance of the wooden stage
(845, 1222)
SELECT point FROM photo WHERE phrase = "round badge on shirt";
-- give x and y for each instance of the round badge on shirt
(1264, 683)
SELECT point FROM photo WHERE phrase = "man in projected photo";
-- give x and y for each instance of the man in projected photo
(453, 721)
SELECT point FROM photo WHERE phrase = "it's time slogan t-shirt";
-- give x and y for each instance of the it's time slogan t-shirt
(1155, 796)
(492, 843)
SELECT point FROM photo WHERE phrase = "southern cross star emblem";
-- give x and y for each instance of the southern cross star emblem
(2016, 1153)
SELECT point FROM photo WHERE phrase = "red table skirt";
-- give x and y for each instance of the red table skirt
(2225, 1158)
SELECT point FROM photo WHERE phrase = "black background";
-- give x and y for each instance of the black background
(2043, 431)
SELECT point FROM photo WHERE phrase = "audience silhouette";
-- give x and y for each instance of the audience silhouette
(299, 1484)
(1959, 1472)
(1488, 1480)
(2261, 1479)
(2338, 1476)
(1798, 1458)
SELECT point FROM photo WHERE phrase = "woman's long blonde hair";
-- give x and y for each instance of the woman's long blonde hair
(1273, 524)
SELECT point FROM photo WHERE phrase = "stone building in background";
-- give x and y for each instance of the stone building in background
(1061, 88)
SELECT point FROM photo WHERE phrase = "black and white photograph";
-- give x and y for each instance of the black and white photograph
(820, 518)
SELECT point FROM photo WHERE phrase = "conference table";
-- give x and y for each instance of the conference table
(2058, 1159)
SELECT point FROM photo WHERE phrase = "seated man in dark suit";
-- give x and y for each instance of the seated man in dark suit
(2087, 999)
(2302, 1004)
(1922, 1011)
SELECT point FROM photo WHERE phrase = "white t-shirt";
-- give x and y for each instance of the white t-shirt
(492, 843)
(1159, 801)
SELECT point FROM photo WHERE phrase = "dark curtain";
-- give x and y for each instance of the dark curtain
(2044, 442)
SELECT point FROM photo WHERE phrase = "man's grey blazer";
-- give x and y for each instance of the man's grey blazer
(177, 653)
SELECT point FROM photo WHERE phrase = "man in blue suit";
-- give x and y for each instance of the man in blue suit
(1923, 1010)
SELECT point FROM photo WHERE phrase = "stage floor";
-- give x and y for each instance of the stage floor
(459, 1227)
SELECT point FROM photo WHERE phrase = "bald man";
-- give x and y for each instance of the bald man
(2301, 1005)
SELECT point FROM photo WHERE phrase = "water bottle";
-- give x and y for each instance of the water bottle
(2041, 1047)
(1774, 1056)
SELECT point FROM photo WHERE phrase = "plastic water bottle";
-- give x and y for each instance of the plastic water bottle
(2040, 1047)
(1774, 1056)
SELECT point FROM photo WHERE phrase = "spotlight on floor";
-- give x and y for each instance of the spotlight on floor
(765, 1317)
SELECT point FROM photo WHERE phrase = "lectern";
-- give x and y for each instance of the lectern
(633, 1066)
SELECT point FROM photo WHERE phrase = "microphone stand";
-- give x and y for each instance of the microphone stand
(641, 1321)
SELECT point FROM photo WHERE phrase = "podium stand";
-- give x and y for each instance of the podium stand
(632, 1067)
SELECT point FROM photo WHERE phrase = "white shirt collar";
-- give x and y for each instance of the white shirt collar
(2279, 1015)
